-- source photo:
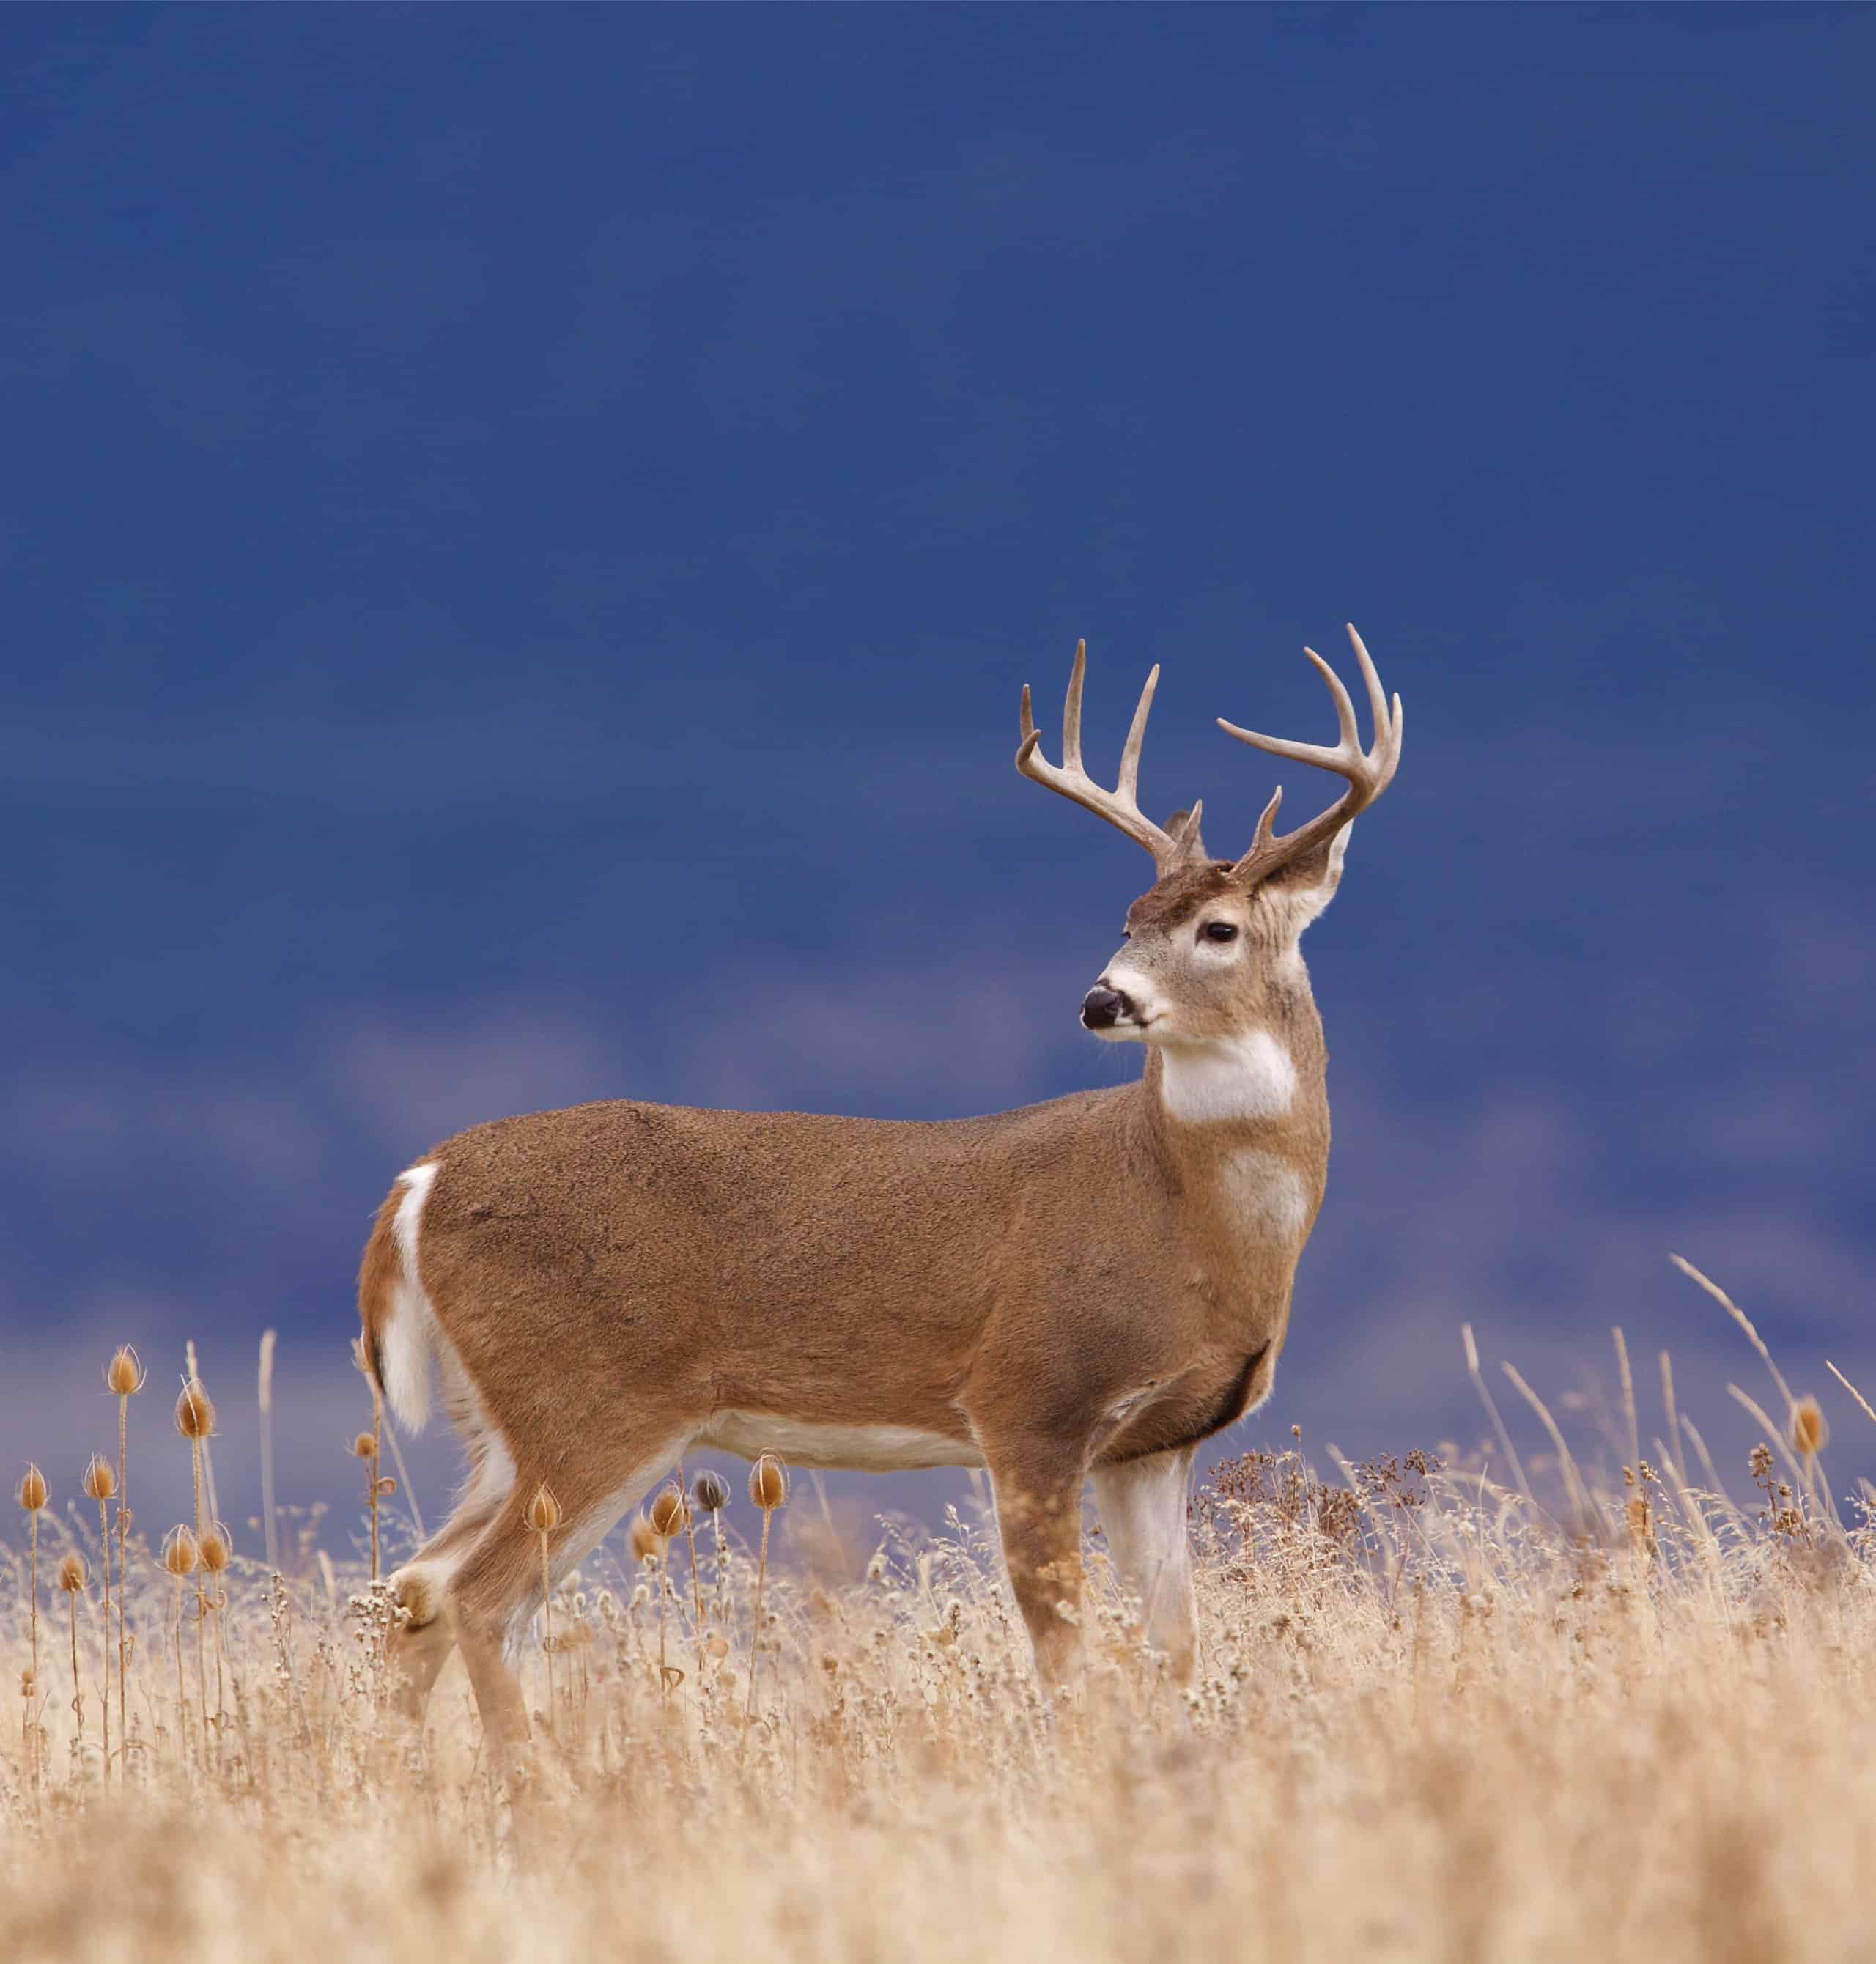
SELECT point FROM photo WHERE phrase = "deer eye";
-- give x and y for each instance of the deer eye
(1219, 931)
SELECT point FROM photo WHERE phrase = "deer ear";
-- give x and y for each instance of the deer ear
(1304, 887)
(1183, 826)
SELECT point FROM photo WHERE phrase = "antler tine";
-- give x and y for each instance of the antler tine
(1377, 695)
(1328, 757)
(1368, 772)
(1137, 736)
(1071, 710)
(1119, 807)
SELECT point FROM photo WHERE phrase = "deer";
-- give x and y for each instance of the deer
(1077, 1292)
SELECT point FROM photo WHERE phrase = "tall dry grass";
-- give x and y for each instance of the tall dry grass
(1440, 1715)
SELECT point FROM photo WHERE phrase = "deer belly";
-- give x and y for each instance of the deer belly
(858, 1448)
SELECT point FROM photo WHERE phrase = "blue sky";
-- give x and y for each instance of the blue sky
(524, 529)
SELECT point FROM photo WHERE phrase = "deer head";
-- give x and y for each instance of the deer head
(1208, 943)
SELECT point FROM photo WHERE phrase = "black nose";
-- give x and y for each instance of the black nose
(1101, 1008)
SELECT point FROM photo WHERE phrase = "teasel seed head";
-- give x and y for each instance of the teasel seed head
(668, 1513)
(195, 1412)
(124, 1373)
(179, 1552)
(33, 1494)
(645, 1541)
(214, 1550)
(72, 1574)
(769, 1483)
(100, 1478)
(364, 1447)
(1809, 1434)
(543, 1511)
(712, 1491)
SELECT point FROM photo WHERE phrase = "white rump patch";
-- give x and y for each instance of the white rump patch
(1265, 1193)
(859, 1449)
(1249, 1077)
(408, 1341)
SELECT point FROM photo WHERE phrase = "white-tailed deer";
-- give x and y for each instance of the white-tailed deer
(1087, 1288)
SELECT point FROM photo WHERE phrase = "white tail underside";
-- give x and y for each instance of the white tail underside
(408, 1342)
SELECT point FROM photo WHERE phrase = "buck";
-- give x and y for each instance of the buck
(1085, 1289)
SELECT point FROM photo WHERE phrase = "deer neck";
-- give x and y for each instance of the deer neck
(1244, 1122)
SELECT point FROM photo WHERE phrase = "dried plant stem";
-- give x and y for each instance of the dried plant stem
(270, 1533)
(104, 1539)
(378, 1434)
(123, 1586)
(403, 1482)
(1869, 1412)
(755, 1634)
(1491, 1409)
(78, 1689)
(208, 1463)
(182, 1698)
(201, 1664)
(697, 1587)
(32, 1584)
(546, 1616)
(1744, 1321)
(664, 1671)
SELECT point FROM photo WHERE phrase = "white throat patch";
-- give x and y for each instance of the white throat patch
(1249, 1077)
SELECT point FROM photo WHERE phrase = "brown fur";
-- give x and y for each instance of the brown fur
(1071, 1286)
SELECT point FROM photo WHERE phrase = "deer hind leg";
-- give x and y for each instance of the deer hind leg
(497, 1585)
(422, 1646)
(1143, 1513)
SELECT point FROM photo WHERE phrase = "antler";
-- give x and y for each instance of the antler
(1120, 807)
(1369, 772)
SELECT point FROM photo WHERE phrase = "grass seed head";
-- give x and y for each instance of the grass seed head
(72, 1574)
(1809, 1434)
(195, 1413)
(543, 1511)
(769, 1483)
(180, 1553)
(668, 1513)
(712, 1491)
(33, 1494)
(124, 1373)
(100, 1478)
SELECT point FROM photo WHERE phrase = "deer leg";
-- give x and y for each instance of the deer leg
(498, 1584)
(421, 1644)
(1036, 1485)
(1143, 1513)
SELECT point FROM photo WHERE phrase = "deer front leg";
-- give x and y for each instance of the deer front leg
(1143, 1514)
(1037, 1484)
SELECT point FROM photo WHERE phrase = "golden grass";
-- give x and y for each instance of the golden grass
(1433, 1720)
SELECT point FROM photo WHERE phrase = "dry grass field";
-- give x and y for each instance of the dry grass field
(1436, 1719)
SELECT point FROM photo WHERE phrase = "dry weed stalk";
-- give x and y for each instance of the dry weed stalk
(543, 1516)
(690, 1549)
(768, 1490)
(179, 1556)
(72, 1580)
(123, 1377)
(100, 1484)
(713, 1496)
(668, 1517)
(214, 1552)
(34, 1496)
